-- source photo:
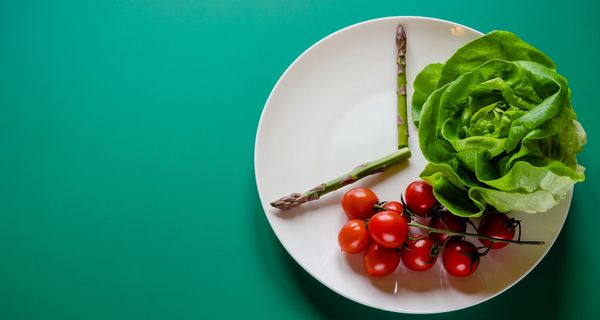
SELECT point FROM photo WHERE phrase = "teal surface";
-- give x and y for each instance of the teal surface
(126, 143)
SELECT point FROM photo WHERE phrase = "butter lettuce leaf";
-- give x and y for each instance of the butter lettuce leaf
(425, 83)
(498, 128)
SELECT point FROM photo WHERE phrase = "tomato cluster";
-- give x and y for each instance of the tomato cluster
(381, 231)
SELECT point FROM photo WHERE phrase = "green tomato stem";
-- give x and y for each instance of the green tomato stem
(380, 207)
(468, 234)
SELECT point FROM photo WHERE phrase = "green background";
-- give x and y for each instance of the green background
(127, 132)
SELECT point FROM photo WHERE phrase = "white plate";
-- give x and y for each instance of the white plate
(333, 109)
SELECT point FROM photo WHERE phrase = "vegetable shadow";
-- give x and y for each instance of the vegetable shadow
(541, 290)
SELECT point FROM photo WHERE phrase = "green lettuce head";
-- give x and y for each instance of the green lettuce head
(497, 127)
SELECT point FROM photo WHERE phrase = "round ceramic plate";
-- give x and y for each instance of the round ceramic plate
(334, 108)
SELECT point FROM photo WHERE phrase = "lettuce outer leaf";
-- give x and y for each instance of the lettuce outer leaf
(497, 44)
(425, 83)
(498, 129)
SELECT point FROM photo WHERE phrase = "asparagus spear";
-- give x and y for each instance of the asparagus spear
(401, 87)
(366, 169)
(296, 199)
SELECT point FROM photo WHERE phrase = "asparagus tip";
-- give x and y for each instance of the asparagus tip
(290, 201)
(401, 37)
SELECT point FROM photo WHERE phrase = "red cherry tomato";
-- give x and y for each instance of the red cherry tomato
(398, 208)
(420, 254)
(419, 198)
(460, 258)
(497, 225)
(354, 237)
(380, 261)
(447, 221)
(359, 203)
(388, 229)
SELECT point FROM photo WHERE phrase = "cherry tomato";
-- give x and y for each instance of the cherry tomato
(354, 237)
(447, 221)
(398, 208)
(388, 229)
(460, 258)
(497, 225)
(419, 198)
(381, 261)
(359, 203)
(420, 254)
